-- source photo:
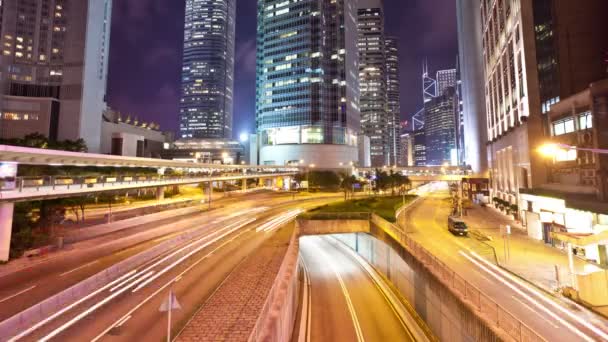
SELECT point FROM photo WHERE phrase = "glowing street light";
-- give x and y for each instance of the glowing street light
(551, 149)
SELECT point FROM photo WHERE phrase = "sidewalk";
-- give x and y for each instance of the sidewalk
(529, 258)
(231, 312)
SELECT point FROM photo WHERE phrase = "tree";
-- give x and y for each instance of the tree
(347, 185)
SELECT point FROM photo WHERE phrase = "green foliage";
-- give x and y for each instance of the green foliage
(382, 206)
(38, 140)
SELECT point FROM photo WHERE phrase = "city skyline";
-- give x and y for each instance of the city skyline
(145, 81)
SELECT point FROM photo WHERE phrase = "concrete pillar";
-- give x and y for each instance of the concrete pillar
(6, 225)
(160, 193)
(244, 184)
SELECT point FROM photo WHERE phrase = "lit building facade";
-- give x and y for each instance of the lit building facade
(307, 88)
(206, 105)
(419, 147)
(440, 129)
(472, 90)
(406, 140)
(54, 67)
(393, 95)
(445, 79)
(377, 121)
(572, 206)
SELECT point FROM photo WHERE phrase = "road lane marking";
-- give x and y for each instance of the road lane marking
(239, 225)
(91, 309)
(535, 292)
(528, 298)
(69, 307)
(349, 303)
(159, 290)
(16, 294)
(170, 282)
(384, 290)
(531, 309)
(304, 334)
(78, 268)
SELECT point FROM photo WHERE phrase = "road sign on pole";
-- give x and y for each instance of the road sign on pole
(169, 305)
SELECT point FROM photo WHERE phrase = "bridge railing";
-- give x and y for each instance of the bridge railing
(22, 184)
(493, 313)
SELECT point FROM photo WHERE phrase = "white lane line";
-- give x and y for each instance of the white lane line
(304, 333)
(530, 299)
(78, 268)
(179, 276)
(196, 250)
(122, 321)
(349, 303)
(91, 309)
(69, 307)
(531, 309)
(541, 296)
(16, 294)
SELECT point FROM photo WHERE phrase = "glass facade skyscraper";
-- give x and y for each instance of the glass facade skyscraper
(307, 100)
(393, 95)
(376, 121)
(206, 105)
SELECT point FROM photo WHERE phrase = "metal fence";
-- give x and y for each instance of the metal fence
(488, 309)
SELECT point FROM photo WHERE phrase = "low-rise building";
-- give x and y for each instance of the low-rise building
(209, 151)
(572, 206)
(126, 136)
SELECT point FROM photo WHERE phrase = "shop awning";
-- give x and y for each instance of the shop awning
(581, 240)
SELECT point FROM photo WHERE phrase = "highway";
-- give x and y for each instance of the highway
(25, 288)
(553, 319)
(346, 300)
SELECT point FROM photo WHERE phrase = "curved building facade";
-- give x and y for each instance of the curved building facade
(307, 91)
(206, 105)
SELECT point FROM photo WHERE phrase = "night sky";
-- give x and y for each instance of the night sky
(146, 48)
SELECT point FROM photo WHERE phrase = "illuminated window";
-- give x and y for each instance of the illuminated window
(586, 120)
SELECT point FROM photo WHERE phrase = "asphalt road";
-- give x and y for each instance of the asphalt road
(127, 309)
(345, 303)
(552, 318)
(24, 288)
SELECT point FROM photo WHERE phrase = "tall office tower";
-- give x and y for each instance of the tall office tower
(206, 105)
(54, 68)
(471, 70)
(440, 129)
(407, 147)
(527, 69)
(393, 94)
(419, 148)
(376, 120)
(307, 90)
(445, 79)
(429, 85)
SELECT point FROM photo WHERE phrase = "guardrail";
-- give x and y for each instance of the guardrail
(494, 314)
(277, 317)
(336, 216)
(36, 313)
(27, 182)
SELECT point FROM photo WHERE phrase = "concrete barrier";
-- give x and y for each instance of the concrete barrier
(36, 313)
(277, 318)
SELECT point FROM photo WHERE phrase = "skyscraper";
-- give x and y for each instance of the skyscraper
(471, 67)
(206, 105)
(440, 129)
(376, 120)
(54, 68)
(445, 79)
(307, 91)
(393, 92)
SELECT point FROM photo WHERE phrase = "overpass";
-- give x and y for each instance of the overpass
(17, 189)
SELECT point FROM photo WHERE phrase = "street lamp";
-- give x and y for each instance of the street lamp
(551, 149)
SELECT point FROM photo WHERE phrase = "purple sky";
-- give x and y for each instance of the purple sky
(146, 48)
